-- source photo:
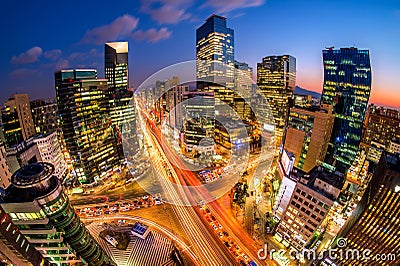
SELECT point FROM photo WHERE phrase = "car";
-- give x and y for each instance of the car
(121, 221)
(158, 202)
(225, 233)
(220, 226)
(227, 244)
(215, 227)
(245, 257)
(145, 197)
(107, 212)
(220, 234)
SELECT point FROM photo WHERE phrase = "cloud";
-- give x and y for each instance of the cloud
(30, 56)
(166, 11)
(61, 64)
(52, 54)
(152, 35)
(224, 6)
(121, 28)
(22, 73)
(84, 55)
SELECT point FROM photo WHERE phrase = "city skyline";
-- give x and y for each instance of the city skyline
(157, 26)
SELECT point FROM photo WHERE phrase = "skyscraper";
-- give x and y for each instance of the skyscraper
(5, 174)
(86, 124)
(276, 78)
(215, 56)
(120, 104)
(37, 204)
(17, 119)
(347, 86)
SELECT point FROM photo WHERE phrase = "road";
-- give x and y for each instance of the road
(184, 177)
(209, 250)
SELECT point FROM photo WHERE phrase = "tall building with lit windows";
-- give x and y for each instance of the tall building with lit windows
(17, 119)
(347, 86)
(276, 78)
(37, 205)
(86, 124)
(215, 56)
(308, 135)
(121, 108)
(373, 228)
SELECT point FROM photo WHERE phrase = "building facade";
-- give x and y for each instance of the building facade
(347, 86)
(276, 78)
(120, 100)
(243, 77)
(37, 204)
(86, 124)
(50, 152)
(308, 135)
(17, 119)
(46, 117)
(373, 228)
(5, 174)
(382, 124)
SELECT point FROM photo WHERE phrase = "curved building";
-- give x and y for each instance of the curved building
(36, 201)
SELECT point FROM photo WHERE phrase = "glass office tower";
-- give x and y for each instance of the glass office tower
(37, 204)
(347, 86)
(121, 107)
(86, 124)
(276, 78)
(215, 56)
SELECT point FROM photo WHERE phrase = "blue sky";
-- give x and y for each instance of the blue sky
(39, 37)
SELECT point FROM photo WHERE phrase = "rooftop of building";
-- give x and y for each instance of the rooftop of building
(393, 161)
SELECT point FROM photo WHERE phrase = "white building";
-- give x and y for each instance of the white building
(50, 152)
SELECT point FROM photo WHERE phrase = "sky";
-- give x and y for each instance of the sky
(40, 37)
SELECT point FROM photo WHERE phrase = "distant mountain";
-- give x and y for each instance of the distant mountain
(301, 91)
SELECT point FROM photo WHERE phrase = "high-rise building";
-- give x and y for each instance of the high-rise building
(347, 86)
(373, 229)
(173, 107)
(243, 77)
(50, 152)
(5, 174)
(303, 202)
(45, 116)
(17, 119)
(121, 107)
(215, 56)
(25, 152)
(86, 124)
(382, 124)
(276, 78)
(199, 109)
(308, 135)
(14, 246)
(38, 206)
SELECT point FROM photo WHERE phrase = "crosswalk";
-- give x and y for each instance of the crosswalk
(154, 250)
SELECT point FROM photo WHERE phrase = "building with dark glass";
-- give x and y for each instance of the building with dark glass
(276, 78)
(373, 227)
(215, 56)
(347, 86)
(37, 204)
(120, 99)
(17, 119)
(243, 78)
(86, 124)
(199, 109)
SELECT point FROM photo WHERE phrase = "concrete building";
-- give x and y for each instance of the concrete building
(382, 124)
(394, 146)
(46, 117)
(38, 206)
(308, 135)
(5, 174)
(50, 152)
(24, 153)
(302, 204)
(17, 119)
